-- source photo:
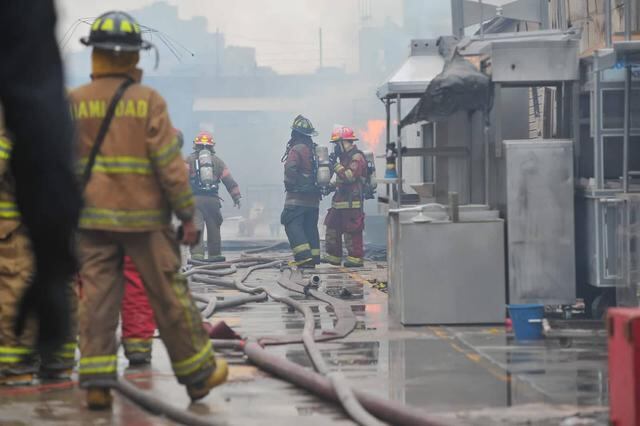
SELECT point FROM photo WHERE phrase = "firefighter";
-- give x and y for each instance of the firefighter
(301, 206)
(138, 324)
(131, 186)
(346, 216)
(19, 362)
(37, 115)
(207, 170)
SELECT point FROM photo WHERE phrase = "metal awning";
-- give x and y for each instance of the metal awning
(413, 77)
(477, 45)
(622, 52)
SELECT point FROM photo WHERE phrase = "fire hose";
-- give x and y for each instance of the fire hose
(361, 406)
(155, 405)
(213, 305)
(344, 393)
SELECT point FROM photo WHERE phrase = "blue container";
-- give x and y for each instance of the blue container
(527, 321)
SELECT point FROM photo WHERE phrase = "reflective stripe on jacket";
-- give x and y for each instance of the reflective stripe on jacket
(9, 214)
(139, 176)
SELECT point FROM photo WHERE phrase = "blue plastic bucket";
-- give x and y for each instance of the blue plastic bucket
(527, 321)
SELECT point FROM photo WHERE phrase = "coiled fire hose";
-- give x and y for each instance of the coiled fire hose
(363, 408)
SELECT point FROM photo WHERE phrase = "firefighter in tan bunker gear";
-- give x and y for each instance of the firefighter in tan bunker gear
(138, 179)
(18, 362)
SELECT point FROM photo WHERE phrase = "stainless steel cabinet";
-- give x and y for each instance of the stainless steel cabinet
(540, 221)
(446, 273)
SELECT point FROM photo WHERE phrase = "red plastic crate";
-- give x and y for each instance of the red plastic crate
(624, 366)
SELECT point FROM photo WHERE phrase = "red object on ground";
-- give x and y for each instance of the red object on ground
(624, 366)
(137, 316)
(508, 325)
(220, 330)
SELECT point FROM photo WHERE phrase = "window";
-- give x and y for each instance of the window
(613, 109)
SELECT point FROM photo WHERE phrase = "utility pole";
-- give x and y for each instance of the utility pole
(457, 18)
(217, 52)
(627, 20)
(320, 45)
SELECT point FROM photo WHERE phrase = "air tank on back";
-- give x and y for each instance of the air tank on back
(205, 161)
(371, 165)
(323, 173)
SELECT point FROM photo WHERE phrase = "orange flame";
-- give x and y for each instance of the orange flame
(373, 134)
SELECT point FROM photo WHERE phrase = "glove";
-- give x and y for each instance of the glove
(188, 234)
(328, 189)
(236, 203)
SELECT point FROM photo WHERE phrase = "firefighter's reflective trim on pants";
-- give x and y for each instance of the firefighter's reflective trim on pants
(105, 364)
(204, 358)
(194, 363)
(300, 248)
(123, 218)
(9, 210)
(67, 352)
(13, 355)
(183, 200)
(118, 165)
(137, 345)
(167, 153)
(346, 205)
(5, 148)
(315, 252)
(355, 260)
(335, 260)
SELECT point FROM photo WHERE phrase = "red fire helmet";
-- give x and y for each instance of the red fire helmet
(204, 138)
(343, 133)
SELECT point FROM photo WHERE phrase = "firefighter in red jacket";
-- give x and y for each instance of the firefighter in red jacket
(138, 323)
(346, 217)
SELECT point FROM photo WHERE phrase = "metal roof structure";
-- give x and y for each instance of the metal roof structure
(413, 77)
(477, 45)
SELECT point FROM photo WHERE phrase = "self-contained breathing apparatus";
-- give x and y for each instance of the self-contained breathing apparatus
(205, 180)
(369, 184)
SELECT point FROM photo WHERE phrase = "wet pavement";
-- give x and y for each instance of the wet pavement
(465, 375)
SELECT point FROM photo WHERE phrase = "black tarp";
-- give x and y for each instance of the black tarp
(459, 87)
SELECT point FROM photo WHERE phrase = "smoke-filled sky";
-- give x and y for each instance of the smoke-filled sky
(285, 32)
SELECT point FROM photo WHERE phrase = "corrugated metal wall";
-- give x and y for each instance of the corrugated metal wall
(589, 15)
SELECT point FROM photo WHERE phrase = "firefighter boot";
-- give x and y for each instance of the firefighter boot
(211, 258)
(353, 262)
(17, 375)
(332, 260)
(139, 358)
(99, 398)
(302, 264)
(51, 374)
(218, 376)
(17, 379)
